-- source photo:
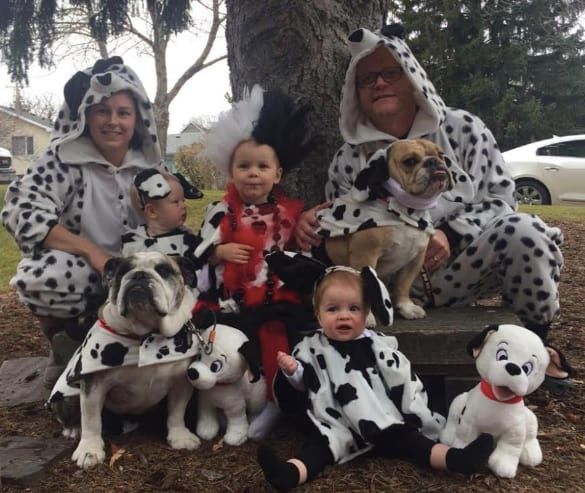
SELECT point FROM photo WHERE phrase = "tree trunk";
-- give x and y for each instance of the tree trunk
(299, 47)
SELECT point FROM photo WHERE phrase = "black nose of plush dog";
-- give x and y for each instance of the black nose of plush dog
(513, 369)
(193, 374)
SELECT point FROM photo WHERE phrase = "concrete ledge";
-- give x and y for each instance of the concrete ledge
(436, 345)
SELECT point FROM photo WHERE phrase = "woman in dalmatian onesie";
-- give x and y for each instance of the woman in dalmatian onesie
(360, 391)
(68, 212)
(482, 245)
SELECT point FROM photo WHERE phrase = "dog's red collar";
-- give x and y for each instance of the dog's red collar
(486, 389)
(105, 326)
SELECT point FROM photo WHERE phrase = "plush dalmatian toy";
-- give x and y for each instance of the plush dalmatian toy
(512, 362)
(226, 372)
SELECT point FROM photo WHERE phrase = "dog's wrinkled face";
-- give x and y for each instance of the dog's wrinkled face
(420, 168)
(224, 365)
(145, 287)
(513, 360)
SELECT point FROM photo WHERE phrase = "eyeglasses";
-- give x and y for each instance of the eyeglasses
(388, 75)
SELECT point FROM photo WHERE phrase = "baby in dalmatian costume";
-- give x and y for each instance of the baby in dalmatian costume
(491, 246)
(158, 197)
(360, 391)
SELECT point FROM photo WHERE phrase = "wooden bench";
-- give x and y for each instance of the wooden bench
(437, 347)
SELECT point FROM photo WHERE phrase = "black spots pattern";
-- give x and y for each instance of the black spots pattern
(113, 354)
(345, 393)
(368, 429)
(334, 413)
(321, 361)
(310, 378)
(339, 212)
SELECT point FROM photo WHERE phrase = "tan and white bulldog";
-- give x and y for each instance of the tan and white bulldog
(387, 211)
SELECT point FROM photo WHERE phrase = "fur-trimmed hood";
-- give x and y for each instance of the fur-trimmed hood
(355, 127)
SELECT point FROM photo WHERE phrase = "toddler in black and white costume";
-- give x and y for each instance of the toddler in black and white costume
(158, 197)
(360, 391)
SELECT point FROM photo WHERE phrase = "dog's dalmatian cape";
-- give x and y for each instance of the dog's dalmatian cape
(180, 241)
(496, 248)
(357, 210)
(357, 388)
(104, 349)
(72, 184)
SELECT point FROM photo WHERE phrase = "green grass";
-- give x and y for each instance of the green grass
(9, 254)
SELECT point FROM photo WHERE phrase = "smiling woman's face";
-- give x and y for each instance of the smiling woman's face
(111, 125)
(384, 101)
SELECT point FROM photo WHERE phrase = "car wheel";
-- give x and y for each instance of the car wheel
(531, 192)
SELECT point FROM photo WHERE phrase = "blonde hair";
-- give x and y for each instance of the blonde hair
(137, 202)
(338, 277)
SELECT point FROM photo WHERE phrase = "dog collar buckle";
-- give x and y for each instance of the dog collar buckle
(206, 345)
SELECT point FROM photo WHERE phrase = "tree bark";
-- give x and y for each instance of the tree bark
(300, 48)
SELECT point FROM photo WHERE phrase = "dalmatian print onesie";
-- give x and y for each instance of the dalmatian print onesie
(71, 184)
(493, 247)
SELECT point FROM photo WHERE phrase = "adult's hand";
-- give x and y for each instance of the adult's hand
(438, 251)
(237, 253)
(305, 234)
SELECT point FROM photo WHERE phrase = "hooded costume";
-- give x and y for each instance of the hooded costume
(73, 185)
(151, 185)
(491, 245)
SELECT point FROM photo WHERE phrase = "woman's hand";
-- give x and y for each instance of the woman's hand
(438, 251)
(305, 234)
(237, 253)
(286, 363)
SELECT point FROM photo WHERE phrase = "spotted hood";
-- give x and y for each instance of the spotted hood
(355, 127)
(89, 87)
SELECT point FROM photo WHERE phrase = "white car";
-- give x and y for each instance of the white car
(550, 171)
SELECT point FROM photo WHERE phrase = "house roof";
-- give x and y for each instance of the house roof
(175, 141)
(27, 117)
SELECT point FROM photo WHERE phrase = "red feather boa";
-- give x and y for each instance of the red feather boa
(237, 278)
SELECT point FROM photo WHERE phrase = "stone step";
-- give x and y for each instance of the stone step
(437, 344)
(22, 381)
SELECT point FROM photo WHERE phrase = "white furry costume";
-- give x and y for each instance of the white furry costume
(73, 185)
(359, 387)
(494, 249)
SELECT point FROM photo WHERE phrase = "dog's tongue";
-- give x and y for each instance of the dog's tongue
(502, 393)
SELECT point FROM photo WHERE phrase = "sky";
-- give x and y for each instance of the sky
(202, 96)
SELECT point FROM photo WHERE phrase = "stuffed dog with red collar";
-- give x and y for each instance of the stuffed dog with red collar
(512, 362)
(227, 374)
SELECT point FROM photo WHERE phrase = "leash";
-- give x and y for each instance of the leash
(206, 345)
(427, 286)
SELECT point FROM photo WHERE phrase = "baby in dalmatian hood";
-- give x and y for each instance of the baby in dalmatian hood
(159, 198)
(360, 391)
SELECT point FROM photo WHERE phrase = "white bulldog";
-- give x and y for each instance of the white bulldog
(228, 379)
(512, 362)
(134, 356)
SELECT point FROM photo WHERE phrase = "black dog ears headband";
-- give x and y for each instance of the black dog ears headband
(151, 185)
(302, 274)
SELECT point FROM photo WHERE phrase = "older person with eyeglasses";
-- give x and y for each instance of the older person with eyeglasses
(481, 244)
